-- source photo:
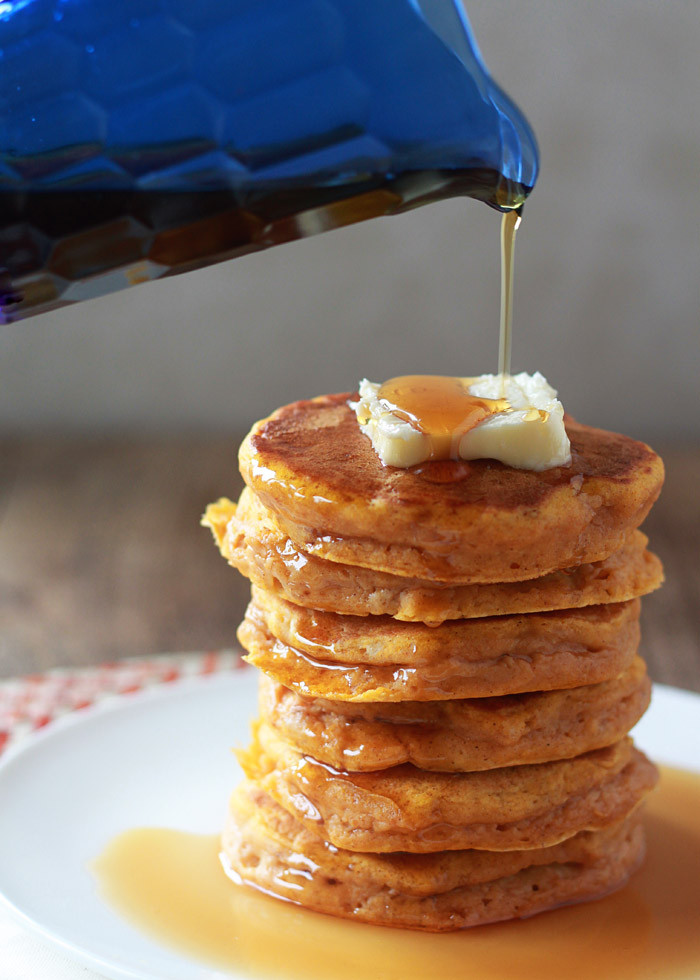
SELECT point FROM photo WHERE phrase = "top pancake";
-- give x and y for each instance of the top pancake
(444, 521)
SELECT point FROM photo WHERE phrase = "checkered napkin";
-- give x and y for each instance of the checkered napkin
(31, 702)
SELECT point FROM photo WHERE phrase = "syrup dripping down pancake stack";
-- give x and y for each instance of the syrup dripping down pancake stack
(449, 671)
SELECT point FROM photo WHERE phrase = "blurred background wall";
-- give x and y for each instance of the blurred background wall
(607, 300)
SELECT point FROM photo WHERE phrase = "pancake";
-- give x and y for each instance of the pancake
(458, 736)
(265, 847)
(310, 464)
(409, 809)
(418, 875)
(250, 541)
(383, 640)
(477, 658)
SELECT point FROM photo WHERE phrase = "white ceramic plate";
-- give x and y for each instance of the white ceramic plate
(161, 758)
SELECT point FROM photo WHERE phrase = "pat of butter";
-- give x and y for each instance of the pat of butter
(528, 435)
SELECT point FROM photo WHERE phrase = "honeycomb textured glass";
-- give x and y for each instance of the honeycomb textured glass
(145, 137)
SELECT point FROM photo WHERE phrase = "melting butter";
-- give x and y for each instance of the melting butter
(516, 419)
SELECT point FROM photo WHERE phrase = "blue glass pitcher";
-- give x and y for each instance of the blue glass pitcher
(140, 138)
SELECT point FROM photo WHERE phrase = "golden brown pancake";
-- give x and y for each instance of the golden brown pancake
(383, 640)
(250, 541)
(310, 464)
(409, 809)
(265, 847)
(470, 658)
(458, 736)
(419, 875)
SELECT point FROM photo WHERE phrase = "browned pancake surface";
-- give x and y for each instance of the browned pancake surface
(408, 809)
(382, 640)
(249, 539)
(458, 736)
(419, 875)
(310, 463)
(270, 850)
(458, 673)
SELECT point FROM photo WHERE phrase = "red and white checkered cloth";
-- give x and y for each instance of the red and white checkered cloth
(31, 702)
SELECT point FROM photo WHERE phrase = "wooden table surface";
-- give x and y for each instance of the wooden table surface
(102, 556)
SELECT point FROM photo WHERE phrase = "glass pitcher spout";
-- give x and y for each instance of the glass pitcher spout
(492, 130)
(148, 137)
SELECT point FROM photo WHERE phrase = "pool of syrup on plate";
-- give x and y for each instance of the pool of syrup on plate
(170, 884)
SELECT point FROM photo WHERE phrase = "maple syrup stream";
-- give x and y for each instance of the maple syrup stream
(510, 222)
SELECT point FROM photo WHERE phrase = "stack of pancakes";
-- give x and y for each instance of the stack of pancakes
(449, 672)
